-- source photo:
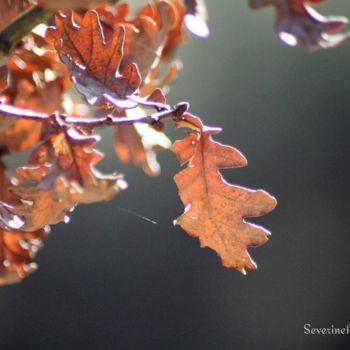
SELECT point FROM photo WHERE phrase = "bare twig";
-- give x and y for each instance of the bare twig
(21, 26)
(155, 119)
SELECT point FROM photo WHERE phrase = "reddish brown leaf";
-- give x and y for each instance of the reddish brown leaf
(131, 49)
(215, 210)
(94, 64)
(298, 23)
(17, 250)
(148, 34)
(63, 167)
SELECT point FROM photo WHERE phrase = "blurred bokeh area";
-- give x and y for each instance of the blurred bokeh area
(110, 279)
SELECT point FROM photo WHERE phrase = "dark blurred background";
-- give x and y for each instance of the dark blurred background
(111, 280)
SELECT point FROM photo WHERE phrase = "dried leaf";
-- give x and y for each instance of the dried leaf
(17, 250)
(94, 64)
(298, 23)
(214, 209)
(63, 168)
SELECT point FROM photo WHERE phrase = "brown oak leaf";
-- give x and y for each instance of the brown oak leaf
(93, 62)
(147, 35)
(63, 168)
(131, 50)
(298, 23)
(17, 250)
(215, 210)
(150, 34)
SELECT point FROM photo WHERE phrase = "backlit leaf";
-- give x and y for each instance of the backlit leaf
(17, 250)
(93, 63)
(215, 210)
(63, 168)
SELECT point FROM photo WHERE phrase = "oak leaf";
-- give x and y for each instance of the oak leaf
(298, 23)
(17, 250)
(63, 168)
(215, 210)
(93, 62)
(147, 34)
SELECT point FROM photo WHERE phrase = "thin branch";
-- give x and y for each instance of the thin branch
(155, 119)
(22, 26)
(12, 111)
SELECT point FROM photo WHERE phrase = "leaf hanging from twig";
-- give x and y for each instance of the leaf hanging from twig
(63, 168)
(94, 64)
(215, 210)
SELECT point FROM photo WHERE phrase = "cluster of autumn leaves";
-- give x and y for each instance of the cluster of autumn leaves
(113, 60)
